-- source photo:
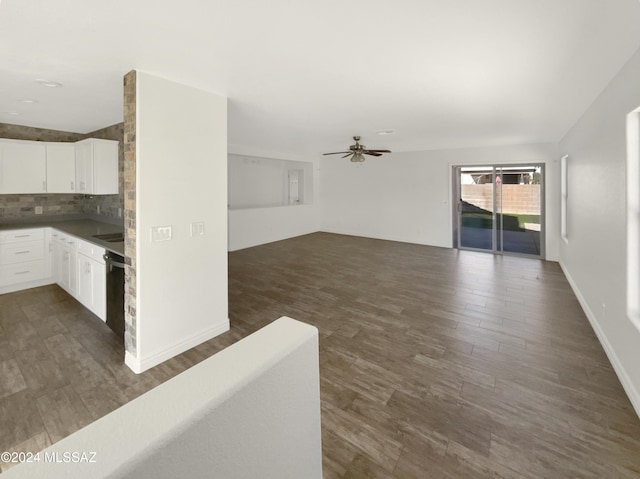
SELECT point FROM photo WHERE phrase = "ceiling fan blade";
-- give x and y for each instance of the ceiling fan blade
(372, 153)
(348, 154)
(337, 153)
(380, 151)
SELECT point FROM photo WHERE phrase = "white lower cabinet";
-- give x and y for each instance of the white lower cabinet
(24, 256)
(67, 274)
(92, 286)
(56, 256)
(37, 256)
(80, 270)
(15, 274)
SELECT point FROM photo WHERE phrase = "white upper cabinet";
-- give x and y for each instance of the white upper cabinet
(22, 167)
(61, 168)
(88, 167)
(84, 167)
(97, 167)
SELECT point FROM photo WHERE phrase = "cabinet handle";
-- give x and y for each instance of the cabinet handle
(72, 186)
(21, 236)
(44, 186)
(22, 252)
(22, 272)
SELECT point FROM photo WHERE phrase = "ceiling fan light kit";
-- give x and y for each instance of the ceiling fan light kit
(357, 152)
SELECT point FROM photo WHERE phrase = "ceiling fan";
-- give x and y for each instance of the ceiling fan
(356, 151)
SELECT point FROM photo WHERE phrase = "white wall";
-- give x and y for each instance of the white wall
(181, 177)
(407, 196)
(255, 182)
(254, 226)
(595, 257)
(250, 411)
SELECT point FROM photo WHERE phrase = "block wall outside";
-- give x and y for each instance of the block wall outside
(516, 199)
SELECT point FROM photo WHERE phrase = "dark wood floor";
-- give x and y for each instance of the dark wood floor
(434, 362)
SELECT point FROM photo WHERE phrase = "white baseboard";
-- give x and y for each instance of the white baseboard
(625, 380)
(140, 365)
(399, 239)
(264, 241)
(28, 285)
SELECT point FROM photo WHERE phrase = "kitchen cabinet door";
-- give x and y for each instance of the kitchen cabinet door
(68, 269)
(61, 167)
(22, 167)
(97, 167)
(105, 167)
(84, 167)
(56, 257)
(92, 285)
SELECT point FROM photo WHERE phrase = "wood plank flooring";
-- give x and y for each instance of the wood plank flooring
(434, 362)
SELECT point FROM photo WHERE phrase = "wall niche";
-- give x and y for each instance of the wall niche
(256, 182)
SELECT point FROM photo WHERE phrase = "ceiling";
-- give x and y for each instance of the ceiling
(305, 76)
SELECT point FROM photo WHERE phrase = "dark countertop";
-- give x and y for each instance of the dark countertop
(83, 228)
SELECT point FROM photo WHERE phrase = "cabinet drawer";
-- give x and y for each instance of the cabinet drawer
(71, 242)
(21, 235)
(21, 252)
(91, 250)
(21, 273)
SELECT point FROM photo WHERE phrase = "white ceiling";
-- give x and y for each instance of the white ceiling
(304, 76)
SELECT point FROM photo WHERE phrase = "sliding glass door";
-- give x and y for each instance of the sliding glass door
(499, 208)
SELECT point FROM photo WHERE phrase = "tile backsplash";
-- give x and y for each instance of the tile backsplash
(22, 206)
(19, 132)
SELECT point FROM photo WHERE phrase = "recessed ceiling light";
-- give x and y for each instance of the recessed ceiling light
(386, 132)
(11, 113)
(28, 100)
(49, 84)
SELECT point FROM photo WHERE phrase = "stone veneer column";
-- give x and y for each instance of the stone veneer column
(130, 211)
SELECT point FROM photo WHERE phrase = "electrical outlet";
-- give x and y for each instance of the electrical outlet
(119, 212)
(197, 229)
(38, 210)
(161, 233)
(98, 209)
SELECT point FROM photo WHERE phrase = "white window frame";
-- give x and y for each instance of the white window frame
(564, 192)
(633, 217)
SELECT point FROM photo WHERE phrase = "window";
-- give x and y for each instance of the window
(633, 217)
(564, 182)
(296, 185)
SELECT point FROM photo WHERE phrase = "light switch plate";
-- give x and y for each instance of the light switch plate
(161, 233)
(38, 210)
(197, 229)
